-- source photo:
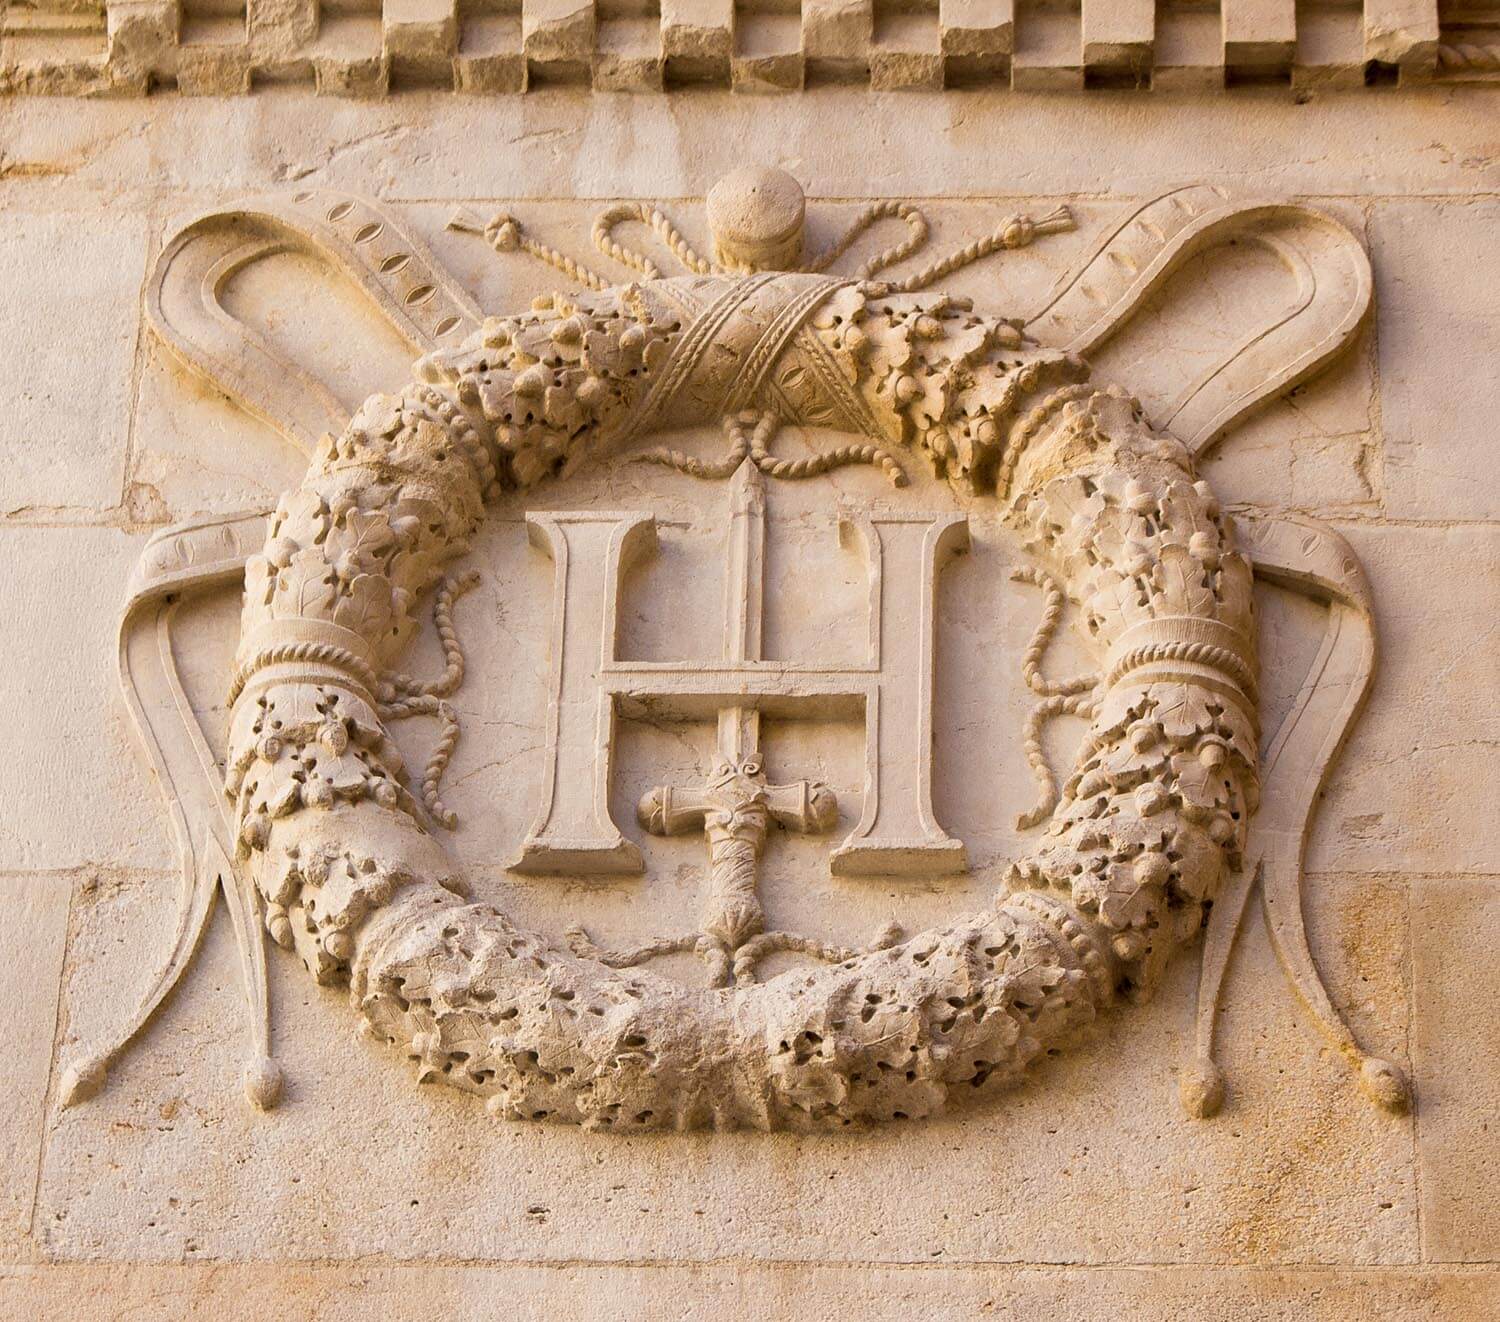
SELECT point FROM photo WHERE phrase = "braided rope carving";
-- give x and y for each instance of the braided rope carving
(504, 234)
(1012, 232)
(1203, 654)
(1061, 697)
(407, 697)
(916, 224)
(322, 653)
(755, 444)
(766, 944)
(680, 248)
(1468, 58)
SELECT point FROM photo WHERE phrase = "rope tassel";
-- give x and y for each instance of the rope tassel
(1073, 696)
(402, 696)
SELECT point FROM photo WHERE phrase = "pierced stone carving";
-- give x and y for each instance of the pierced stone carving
(1150, 833)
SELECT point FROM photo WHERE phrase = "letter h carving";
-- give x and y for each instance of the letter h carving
(591, 688)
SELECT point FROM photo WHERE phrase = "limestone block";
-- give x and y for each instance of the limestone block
(1455, 923)
(65, 447)
(1412, 792)
(1189, 51)
(61, 698)
(1436, 408)
(199, 453)
(836, 36)
(629, 55)
(558, 38)
(906, 53)
(1256, 145)
(422, 34)
(142, 34)
(795, 1292)
(1118, 36)
(1260, 38)
(1049, 52)
(281, 27)
(977, 29)
(1330, 50)
(349, 57)
(1403, 33)
(489, 57)
(768, 54)
(33, 930)
(213, 70)
(697, 39)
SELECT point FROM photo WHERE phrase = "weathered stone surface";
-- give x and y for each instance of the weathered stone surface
(1454, 983)
(1436, 411)
(799, 1292)
(65, 446)
(1297, 1170)
(61, 698)
(33, 931)
(1414, 786)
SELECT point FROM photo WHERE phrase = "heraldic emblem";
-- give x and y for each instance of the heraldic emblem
(318, 834)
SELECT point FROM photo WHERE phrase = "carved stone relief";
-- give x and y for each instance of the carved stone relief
(318, 832)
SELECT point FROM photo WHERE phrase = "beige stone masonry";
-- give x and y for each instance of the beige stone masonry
(137, 46)
(723, 649)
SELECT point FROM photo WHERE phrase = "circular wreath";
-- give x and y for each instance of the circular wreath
(342, 847)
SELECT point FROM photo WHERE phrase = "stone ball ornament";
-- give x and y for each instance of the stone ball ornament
(317, 834)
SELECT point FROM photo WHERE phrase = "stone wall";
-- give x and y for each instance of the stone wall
(1086, 1192)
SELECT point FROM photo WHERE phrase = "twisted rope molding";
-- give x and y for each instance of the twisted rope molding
(505, 234)
(1469, 58)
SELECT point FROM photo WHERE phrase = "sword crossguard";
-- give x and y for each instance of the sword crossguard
(805, 806)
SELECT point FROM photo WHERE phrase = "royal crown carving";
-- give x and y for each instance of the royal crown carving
(319, 834)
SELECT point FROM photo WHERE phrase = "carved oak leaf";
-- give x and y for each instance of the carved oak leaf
(260, 580)
(367, 537)
(1184, 711)
(305, 587)
(1030, 983)
(294, 708)
(1123, 596)
(562, 410)
(1108, 542)
(1128, 900)
(1180, 578)
(1236, 586)
(302, 517)
(1071, 503)
(1183, 513)
(1201, 787)
(966, 345)
(989, 393)
(1123, 705)
(365, 606)
(929, 406)
(890, 350)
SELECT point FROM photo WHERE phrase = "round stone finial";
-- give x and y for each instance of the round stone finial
(756, 214)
